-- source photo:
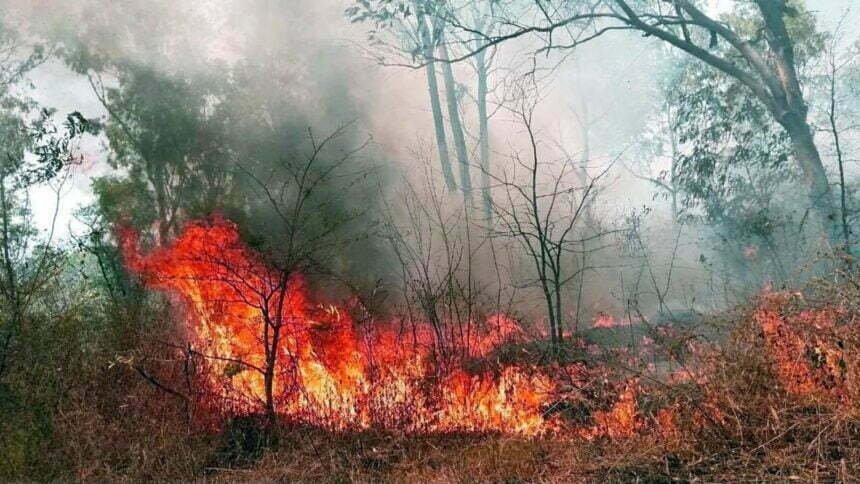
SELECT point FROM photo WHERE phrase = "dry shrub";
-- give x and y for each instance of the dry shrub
(121, 428)
(776, 400)
(812, 349)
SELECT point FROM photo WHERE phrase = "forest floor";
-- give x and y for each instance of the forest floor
(775, 398)
(322, 457)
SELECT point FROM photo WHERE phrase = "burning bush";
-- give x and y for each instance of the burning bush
(774, 399)
(779, 383)
(268, 346)
(812, 349)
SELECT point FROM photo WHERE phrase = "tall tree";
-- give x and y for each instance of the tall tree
(729, 170)
(428, 48)
(757, 46)
(416, 28)
(162, 130)
(428, 44)
(457, 127)
(482, 68)
(482, 63)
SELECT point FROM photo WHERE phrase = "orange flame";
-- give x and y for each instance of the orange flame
(604, 320)
(621, 420)
(327, 370)
(804, 350)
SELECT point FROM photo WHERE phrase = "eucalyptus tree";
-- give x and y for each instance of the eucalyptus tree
(414, 28)
(417, 30)
(164, 130)
(733, 173)
(759, 45)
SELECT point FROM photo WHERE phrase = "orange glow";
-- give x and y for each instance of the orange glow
(328, 370)
(622, 420)
(604, 320)
(804, 347)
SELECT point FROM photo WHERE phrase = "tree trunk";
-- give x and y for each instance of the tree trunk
(436, 105)
(559, 318)
(269, 375)
(814, 176)
(10, 291)
(550, 312)
(484, 136)
(457, 128)
(584, 133)
(790, 110)
(840, 162)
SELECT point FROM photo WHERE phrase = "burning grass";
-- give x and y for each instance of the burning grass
(263, 345)
(774, 397)
(727, 412)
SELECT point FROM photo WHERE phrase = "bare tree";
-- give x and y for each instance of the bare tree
(481, 17)
(428, 38)
(836, 63)
(456, 126)
(544, 212)
(665, 181)
(482, 71)
(299, 193)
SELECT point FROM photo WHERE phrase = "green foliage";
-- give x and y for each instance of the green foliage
(734, 174)
(734, 155)
(125, 199)
(164, 135)
(733, 167)
(191, 146)
(800, 23)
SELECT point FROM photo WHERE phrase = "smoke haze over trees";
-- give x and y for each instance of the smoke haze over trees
(239, 210)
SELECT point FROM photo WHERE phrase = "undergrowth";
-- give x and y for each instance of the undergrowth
(774, 397)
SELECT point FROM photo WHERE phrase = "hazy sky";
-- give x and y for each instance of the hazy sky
(609, 74)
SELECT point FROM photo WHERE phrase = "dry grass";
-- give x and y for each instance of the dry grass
(312, 455)
(740, 415)
(128, 436)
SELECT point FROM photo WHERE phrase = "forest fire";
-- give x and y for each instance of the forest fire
(266, 346)
(604, 320)
(253, 325)
(807, 348)
(429, 241)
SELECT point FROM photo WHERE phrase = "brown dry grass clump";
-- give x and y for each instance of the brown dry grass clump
(138, 434)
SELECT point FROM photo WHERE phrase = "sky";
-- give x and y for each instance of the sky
(608, 73)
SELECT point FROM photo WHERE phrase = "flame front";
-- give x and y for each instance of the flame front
(325, 369)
